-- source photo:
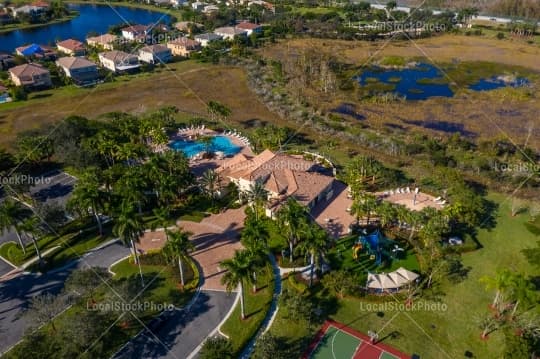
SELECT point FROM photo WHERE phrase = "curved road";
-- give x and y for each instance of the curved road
(15, 294)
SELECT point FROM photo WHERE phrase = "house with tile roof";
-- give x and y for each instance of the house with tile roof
(249, 27)
(30, 75)
(80, 69)
(71, 47)
(183, 46)
(282, 175)
(118, 61)
(155, 54)
(105, 41)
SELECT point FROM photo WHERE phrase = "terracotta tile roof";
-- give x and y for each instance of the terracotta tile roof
(115, 55)
(184, 41)
(247, 26)
(103, 39)
(28, 70)
(75, 62)
(136, 29)
(70, 44)
(154, 48)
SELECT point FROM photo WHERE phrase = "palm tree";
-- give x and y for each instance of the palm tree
(88, 196)
(239, 270)
(522, 290)
(500, 282)
(178, 247)
(291, 219)
(11, 217)
(210, 183)
(257, 196)
(30, 226)
(315, 244)
(387, 213)
(160, 219)
(254, 232)
(129, 228)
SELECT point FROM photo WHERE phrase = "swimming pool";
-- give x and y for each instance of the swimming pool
(219, 143)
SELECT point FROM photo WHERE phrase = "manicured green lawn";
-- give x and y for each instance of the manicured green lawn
(164, 280)
(257, 305)
(439, 333)
(445, 329)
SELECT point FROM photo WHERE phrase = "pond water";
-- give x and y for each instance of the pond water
(219, 143)
(424, 81)
(92, 18)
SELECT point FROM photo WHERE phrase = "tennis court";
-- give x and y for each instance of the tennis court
(337, 341)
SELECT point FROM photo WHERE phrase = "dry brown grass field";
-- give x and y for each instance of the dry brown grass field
(187, 85)
(501, 113)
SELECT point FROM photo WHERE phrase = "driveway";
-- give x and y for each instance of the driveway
(183, 330)
(5, 267)
(15, 294)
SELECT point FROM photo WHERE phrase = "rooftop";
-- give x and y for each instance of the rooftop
(184, 41)
(229, 30)
(116, 55)
(74, 62)
(70, 44)
(28, 70)
(247, 26)
(154, 48)
(103, 39)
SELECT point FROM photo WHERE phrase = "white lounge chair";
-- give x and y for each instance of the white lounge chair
(408, 189)
(416, 190)
(437, 199)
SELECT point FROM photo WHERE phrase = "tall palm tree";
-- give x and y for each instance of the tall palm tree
(11, 216)
(522, 290)
(210, 183)
(501, 282)
(257, 196)
(129, 228)
(160, 219)
(30, 226)
(88, 197)
(291, 219)
(315, 244)
(254, 232)
(239, 270)
(178, 247)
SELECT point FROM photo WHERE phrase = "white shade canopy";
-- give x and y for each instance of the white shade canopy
(396, 279)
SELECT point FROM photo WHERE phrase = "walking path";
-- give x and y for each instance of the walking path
(270, 316)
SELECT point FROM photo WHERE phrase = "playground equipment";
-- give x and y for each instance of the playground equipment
(372, 243)
(356, 248)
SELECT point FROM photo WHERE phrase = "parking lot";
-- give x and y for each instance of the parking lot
(54, 186)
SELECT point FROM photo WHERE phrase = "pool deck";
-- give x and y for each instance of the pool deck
(200, 165)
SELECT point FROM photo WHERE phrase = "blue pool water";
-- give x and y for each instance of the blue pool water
(219, 143)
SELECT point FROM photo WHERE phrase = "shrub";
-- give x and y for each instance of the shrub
(500, 35)
(18, 94)
(298, 286)
(216, 348)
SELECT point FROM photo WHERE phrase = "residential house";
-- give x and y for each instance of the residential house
(136, 32)
(118, 61)
(282, 175)
(198, 6)
(183, 46)
(71, 47)
(178, 3)
(249, 27)
(5, 17)
(155, 54)
(229, 32)
(38, 51)
(187, 26)
(80, 69)
(205, 39)
(105, 41)
(210, 9)
(30, 10)
(30, 75)
(6, 61)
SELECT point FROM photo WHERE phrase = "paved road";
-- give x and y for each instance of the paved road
(16, 293)
(183, 330)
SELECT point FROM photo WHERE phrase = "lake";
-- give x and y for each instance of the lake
(422, 81)
(92, 18)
